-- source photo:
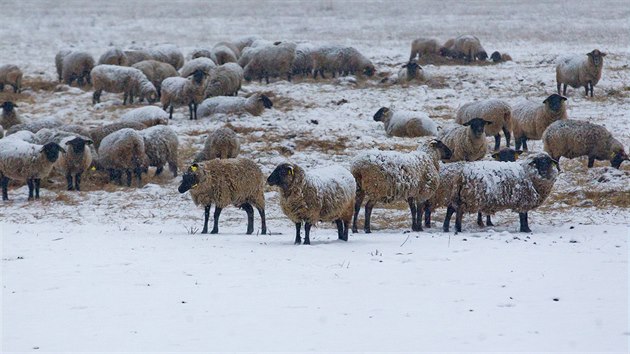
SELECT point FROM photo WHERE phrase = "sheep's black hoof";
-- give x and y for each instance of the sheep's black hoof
(307, 242)
(214, 231)
(368, 231)
(204, 231)
(525, 229)
(489, 223)
(249, 232)
(354, 230)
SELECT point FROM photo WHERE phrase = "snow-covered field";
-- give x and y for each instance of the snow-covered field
(125, 269)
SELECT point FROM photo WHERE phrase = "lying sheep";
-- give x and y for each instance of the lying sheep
(77, 66)
(24, 161)
(578, 71)
(35, 126)
(409, 72)
(323, 194)
(99, 133)
(204, 64)
(123, 151)
(11, 75)
(468, 142)
(59, 62)
(422, 47)
(490, 186)
(496, 111)
(113, 56)
(225, 53)
(388, 176)
(136, 55)
(116, 79)
(76, 160)
(161, 146)
(167, 53)
(9, 117)
(254, 105)
(271, 61)
(179, 91)
(223, 143)
(405, 123)
(469, 47)
(149, 116)
(500, 57)
(530, 119)
(237, 182)
(156, 72)
(225, 80)
(572, 138)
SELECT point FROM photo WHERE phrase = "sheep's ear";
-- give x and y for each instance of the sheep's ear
(467, 123)
(495, 156)
(88, 142)
(14, 105)
(290, 170)
(404, 66)
(487, 122)
(517, 153)
(602, 54)
(556, 163)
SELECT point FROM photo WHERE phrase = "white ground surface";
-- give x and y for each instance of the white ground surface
(116, 269)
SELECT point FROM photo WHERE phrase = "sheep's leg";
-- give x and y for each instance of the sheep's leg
(96, 97)
(131, 97)
(267, 82)
(427, 214)
(357, 207)
(195, 109)
(489, 220)
(170, 112)
(339, 229)
(591, 162)
(368, 215)
(77, 182)
(37, 182)
(172, 166)
(250, 217)
(125, 98)
(138, 172)
(447, 219)
(190, 109)
(558, 85)
(307, 233)
(69, 180)
(480, 219)
(517, 142)
(524, 143)
(508, 136)
(5, 188)
(289, 77)
(458, 219)
(497, 142)
(30, 188)
(128, 172)
(412, 209)
(217, 213)
(298, 239)
(590, 84)
(524, 223)
(15, 88)
(1, 87)
(419, 206)
(263, 221)
(564, 89)
(206, 216)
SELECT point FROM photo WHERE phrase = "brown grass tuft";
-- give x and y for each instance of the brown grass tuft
(40, 84)
(440, 60)
(325, 146)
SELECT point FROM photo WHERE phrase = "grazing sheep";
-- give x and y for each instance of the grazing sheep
(405, 123)
(246, 41)
(248, 53)
(123, 151)
(77, 66)
(578, 71)
(99, 133)
(113, 56)
(388, 176)
(446, 50)
(225, 53)
(303, 62)
(340, 60)
(161, 146)
(411, 71)
(237, 182)
(325, 60)
(156, 72)
(271, 61)
(149, 116)
(496, 111)
(35, 126)
(254, 105)
(59, 61)
(116, 79)
(491, 186)
(167, 53)
(423, 46)
(469, 47)
(468, 142)
(530, 119)
(203, 53)
(204, 64)
(498, 57)
(136, 55)
(322, 194)
(223, 143)
(179, 91)
(76, 160)
(24, 161)
(10, 75)
(225, 80)
(9, 117)
(572, 138)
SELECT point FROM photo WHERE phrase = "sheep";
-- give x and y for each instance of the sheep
(246, 41)
(167, 53)
(156, 72)
(225, 53)
(223, 143)
(577, 71)
(254, 105)
(11, 75)
(23, 135)
(116, 79)
(491, 186)
(204, 64)
(500, 57)
(59, 62)
(388, 176)
(572, 138)
(469, 47)
(203, 53)
(35, 126)
(423, 46)
(149, 116)
(446, 50)
(113, 56)
(77, 66)
(9, 117)
(224, 182)
(405, 123)
(468, 141)
(136, 55)
(271, 61)
(342, 60)
(249, 52)
(179, 91)
(24, 161)
(325, 59)
(225, 80)
(496, 111)
(99, 133)
(161, 146)
(322, 194)
(411, 71)
(303, 62)
(76, 160)
(123, 151)
(76, 129)
(530, 119)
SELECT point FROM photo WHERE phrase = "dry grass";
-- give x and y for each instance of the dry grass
(40, 84)
(325, 146)
(440, 60)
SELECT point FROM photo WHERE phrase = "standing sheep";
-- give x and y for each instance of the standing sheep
(99, 133)
(161, 146)
(468, 142)
(76, 160)
(113, 56)
(352, 62)
(149, 116)
(496, 111)
(116, 79)
(225, 53)
(156, 72)
(77, 66)
(271, 61)
(323, 194)
(123, 151)
(9, 117)
(254, 105)
(572, 138)
(469, 47)
(179, 91)
(225, 80)
(578, 71)
(203, 53)
(204, 64)
(223, 143)
(303, 62)
(167, 53)
(530, 119)
(37, 125)
(406, 124)
(10, 75)
(59, 62)
(422, 47)
(136, 55)
(237, 182)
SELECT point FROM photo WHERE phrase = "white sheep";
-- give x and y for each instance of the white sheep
(580, 71)
(113, 56)
(254, 105)
(77, 65)
(179, 91)
(202, 63)
(271, 61)
(411, 71)
(468, 47)
(225, 80)
(11, 75)
(530, 119)
(149, 116)
(36, 125)
(468, 142)
(123, 151)
(406, 123)
(422, 47)
(59, 61)
(222, 143)
(167, 53)
(161, 146)
(76, 160)
(116, 79)
(136, 55)
(225, 53)
(156, 72)
(496, 111)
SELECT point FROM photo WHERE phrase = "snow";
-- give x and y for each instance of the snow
(331, 179)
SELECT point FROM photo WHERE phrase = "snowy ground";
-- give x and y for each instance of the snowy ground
(122, 269)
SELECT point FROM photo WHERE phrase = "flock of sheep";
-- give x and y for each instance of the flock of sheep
(445, 171)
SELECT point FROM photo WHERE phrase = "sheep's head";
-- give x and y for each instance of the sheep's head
(266, 101)
(52, 150)
(384, 112)
(545, 165)
(412, 68)
(445, 152)
(618, 154)
(445, 52)
(283, 176)
(198, 76)
(507, 155)
(555, 102)
(7, 106)
(190, 179)
(482, 55)
(78, 144)
(477, 126)
(369, 70)
(495, 57)
(597, 57)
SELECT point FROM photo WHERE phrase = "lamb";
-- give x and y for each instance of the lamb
(225, 80)
(577, 71)
(179, 91)
(423, 46)
(254, 105)
(76, 160)
(500, 57)
(99, 133)
(237, 182)
(116, 79)
(77, 66)
(496, 111)
(167, 53)
(35, 126)
(490, 186)
(161, 146)
(113, 56)
(322, 194)
(11, 75)
(411, 71)
(469, 47)
(303, 62)
(149, 116)
(59, 62)
(9, 117)
(204, 64)
(223, 143)
(24, 161)
(271, 61)
(529, 119)
(572, 138)
(156, 72)
(225, 53)
(388, 176)
(136, 55)
(405, 123)
(468, 141)
(123, 151)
